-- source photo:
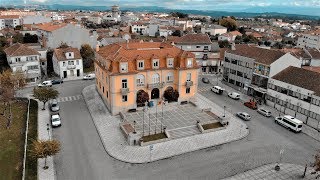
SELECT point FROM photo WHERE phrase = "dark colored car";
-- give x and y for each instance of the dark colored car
(205, 80)
(57, 81)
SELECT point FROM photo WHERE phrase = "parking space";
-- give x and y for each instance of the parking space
(172, 118)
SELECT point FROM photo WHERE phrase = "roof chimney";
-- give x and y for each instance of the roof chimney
(233, 46)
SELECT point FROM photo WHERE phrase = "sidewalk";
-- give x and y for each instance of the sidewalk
(43, 119)
(115, 143)
(267, 172)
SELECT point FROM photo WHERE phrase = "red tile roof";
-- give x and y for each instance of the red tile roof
(9, 16)
(60, 53)
(51, 27)
(110, 56)
(264, 56)
(20, 50)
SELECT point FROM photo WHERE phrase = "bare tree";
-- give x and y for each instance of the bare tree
(43, 149)
(44, 94)
(10, 83)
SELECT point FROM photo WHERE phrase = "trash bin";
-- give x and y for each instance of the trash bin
(150, 104)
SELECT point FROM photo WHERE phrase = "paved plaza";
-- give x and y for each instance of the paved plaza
(173, 117)
(117, 146)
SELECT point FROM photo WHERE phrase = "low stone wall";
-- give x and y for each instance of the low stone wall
(123, 129)
(157, 141)
(209, 130)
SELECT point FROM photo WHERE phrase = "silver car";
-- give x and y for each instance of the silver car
(54, 106)
(264, 112)
(243, 115)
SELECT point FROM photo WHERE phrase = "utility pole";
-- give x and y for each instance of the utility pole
(155, 129)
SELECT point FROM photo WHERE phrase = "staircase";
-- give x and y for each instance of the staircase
(183, 132)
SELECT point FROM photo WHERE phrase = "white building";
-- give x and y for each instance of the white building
(95, 19)
(309, 41)
(296, 91)
(9, 21)
(24, 59)
(36, 19)
(213, 29)
(139, 28)
(67, 63)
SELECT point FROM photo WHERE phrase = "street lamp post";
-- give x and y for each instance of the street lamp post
(48, 131)
(162, 103)
(224, 111)
(134, 127)
(155, 129)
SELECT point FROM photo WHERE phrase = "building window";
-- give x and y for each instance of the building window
(78, 62)
(102, 89)
(42, 63)
(124, 67)
(170, 62)
(188, 76)
(70, 63)
(18, 59)
(32, 67)
(107, 94)
(124, 83)
(155, 78)
(155, 63)
(124, 98)
(140, 65)
(187, 90)
(63, 63)
(189, 63)
(197, 47)
(206, 48)
(140, 80)
(69, 54)
(170, 77)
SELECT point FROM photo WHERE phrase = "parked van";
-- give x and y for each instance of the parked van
(290, 123)
(45, 84)
(217, 89)
(234, 95)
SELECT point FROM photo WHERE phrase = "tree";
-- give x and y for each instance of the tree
(17, 38)
(43, 149)
(242, 30)
(224, 44)
(176, 33)
(28, 38)
(229, 23)
(267, 43)
(10, 82)
(179, 15)
(171, 95)
(63, 45)
(87, 54)
(44, 94)
(278, 45)
(142, 98)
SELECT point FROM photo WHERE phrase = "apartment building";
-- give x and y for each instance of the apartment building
(213, 29)
(296, 91)
(207, 54)
(248, 68)
(9, 21)
(125, 69)
(24, 59)
(309, 41)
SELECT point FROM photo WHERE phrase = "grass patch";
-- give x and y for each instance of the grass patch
(31, 163)
(12, 141)
(212, 125)
(88, 70)
(154, 137)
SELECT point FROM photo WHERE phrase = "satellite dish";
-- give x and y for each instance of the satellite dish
(126, 37)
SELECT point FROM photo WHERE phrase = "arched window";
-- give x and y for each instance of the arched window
(155, 78)
(170, 77)
(140, 80)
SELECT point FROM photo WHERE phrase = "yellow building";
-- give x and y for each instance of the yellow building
(122, 70)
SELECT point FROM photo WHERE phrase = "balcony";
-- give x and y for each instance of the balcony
(71, 66)
(140, 85)
(124, 91)
(189, 83)
(170, 81)
(155, 85)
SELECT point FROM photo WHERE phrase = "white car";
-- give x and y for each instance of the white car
(89, 77)
(45, 84)
(234, 95)
(55, 120)
(264, 112)
(243, 115)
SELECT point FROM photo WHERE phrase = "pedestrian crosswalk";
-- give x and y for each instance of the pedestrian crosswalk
(69, 98)
(203, 89)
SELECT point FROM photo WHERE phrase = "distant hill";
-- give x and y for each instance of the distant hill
(278, 12)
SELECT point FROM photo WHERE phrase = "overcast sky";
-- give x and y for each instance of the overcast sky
(180, 4)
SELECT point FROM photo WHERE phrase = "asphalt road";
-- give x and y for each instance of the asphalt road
(83, 155)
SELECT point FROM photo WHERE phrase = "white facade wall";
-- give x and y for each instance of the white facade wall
(9, 23)
(36, 19)
(60, 67)
(315, 62)
(282, 63)
(309, 41)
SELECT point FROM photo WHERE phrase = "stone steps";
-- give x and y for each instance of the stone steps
(184, 132)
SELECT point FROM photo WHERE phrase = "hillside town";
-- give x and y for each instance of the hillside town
(121, 94)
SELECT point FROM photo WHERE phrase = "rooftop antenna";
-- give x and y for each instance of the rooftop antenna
(126, 37)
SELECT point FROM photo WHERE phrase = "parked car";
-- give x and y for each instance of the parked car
(289, 122)
(251, 104)
(45, 84)
(57, 81)
(205, 80)
(234, 95)
(264, 112)
(89, 77)
(217, 89)
(243, 115)
(55, 120)
(54, 106)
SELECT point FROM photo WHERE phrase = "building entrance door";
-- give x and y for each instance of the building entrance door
(155, 93)
(64, 74)
(78, 72)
